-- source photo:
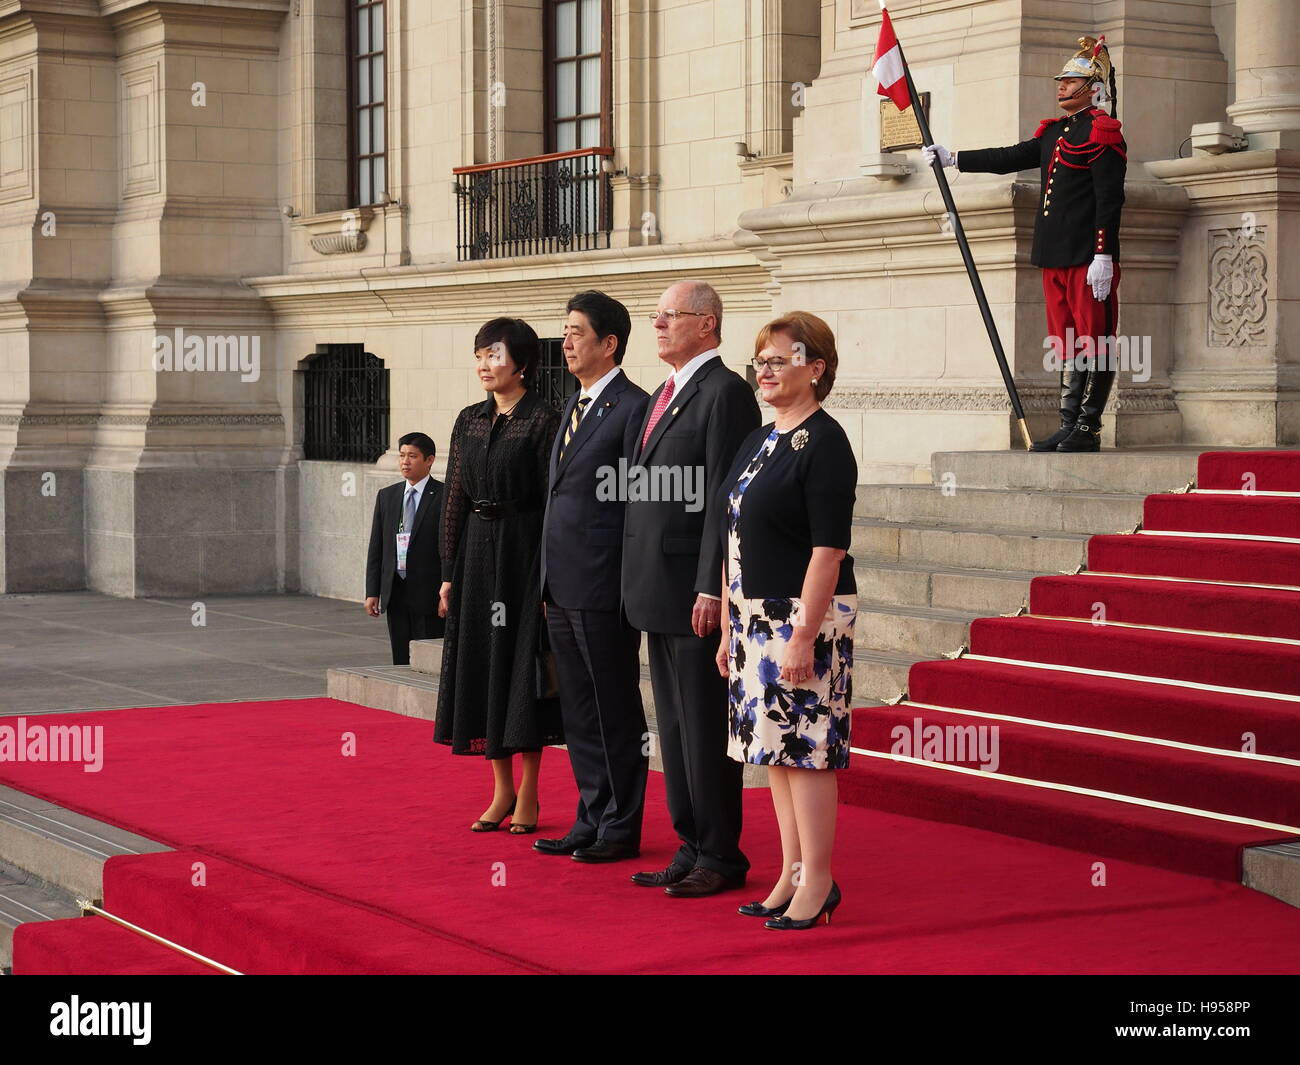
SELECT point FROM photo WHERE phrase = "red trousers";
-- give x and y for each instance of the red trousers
(1073, 314)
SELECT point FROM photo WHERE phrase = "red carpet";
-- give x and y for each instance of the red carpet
(316, 862)
(1208, 559)
(1160, 735)
(1173, 604)
(1189, 715)
(1271, 471)
(1253, 515)
(1230, 663)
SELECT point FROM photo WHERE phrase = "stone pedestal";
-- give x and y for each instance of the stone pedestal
(1236, 316)
(1235, 301)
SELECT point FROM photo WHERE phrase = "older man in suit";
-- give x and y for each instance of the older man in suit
(597, 653)
(403, 568)
(672, 571)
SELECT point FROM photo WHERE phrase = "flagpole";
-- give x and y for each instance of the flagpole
(964, 245)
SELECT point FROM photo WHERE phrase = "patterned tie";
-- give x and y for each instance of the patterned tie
(572, 428)
(661, 405)
(408, 519)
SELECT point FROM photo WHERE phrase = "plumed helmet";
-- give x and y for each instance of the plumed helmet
(1091, 61)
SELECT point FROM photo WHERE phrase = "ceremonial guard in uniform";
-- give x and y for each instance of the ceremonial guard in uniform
(1082, 160)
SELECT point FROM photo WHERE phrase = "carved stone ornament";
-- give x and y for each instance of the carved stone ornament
(1237, 302)
(339, 243)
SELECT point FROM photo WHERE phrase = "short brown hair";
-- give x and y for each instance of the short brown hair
(817, 339)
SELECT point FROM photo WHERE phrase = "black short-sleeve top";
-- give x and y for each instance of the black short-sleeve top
(801, 498)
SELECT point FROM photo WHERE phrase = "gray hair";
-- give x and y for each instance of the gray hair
(703, 298)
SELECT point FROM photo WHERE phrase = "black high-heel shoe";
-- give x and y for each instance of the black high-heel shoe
(785, 924)
(757, 909)
(491, 826)
(517, 829)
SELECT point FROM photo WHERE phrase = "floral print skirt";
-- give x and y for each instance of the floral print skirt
(772, 721)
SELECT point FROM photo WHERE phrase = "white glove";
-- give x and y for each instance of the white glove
(1100, 274)
(932, 151)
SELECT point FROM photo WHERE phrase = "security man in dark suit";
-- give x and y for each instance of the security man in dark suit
(672, 573)
(403, 567)
(1082, 159)
(597, 653)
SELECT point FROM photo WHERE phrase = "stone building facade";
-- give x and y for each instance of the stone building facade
(269, 185)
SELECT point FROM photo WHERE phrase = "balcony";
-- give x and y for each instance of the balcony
(549, 203)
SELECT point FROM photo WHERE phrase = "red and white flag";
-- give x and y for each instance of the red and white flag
(888, 67)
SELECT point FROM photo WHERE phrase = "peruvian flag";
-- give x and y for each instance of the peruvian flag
(888, 67)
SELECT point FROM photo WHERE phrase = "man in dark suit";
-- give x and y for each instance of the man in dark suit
(597, 653)
(672, 577)
(403, 568)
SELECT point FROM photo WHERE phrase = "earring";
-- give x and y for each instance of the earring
(814, 380)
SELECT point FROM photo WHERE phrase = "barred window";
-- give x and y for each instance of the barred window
(367, 175)
(345, 405)
(553, 382)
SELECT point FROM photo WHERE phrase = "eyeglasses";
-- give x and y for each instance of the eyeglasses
(673, 315)
(775, 365)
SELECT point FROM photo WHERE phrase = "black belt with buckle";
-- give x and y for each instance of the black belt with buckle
(491, 509)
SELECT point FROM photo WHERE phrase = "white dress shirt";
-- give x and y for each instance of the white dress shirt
(598, 387)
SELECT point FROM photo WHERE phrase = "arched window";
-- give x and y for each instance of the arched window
(345, 405)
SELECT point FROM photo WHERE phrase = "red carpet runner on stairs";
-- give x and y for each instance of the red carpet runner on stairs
(1147, 717)
(1148, 708)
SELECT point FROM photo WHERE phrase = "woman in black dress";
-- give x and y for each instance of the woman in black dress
(491, 696)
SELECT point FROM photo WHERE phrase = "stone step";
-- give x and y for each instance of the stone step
(879, 676)
(49, 858)
(63, 849)
(1274, 870)
(426, 656)
(1133, 471)
(981, 592)
(927, 632)
(25, 898)
(923, 504)
(954, 547)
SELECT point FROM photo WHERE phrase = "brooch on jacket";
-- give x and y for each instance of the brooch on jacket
(799, 439)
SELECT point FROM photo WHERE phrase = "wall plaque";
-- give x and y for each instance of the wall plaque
(900, 129)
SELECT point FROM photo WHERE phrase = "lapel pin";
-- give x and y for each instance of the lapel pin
(799, 439)
(675, 410)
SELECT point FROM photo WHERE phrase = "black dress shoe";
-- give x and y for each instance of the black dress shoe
(567, 845)
(700, 882)
(674, 874)
(786, 924)
(605, 850)
(757, 909)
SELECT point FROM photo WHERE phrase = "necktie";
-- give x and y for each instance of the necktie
(408, 520)
(661, 405)
(574, 421)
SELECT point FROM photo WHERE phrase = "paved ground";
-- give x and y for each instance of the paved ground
(83, 651)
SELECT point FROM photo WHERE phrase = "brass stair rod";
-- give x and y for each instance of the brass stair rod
(89, 907)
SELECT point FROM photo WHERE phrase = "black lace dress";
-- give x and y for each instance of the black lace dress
(487, 697)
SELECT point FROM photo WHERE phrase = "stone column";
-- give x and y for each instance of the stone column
(1267, 102)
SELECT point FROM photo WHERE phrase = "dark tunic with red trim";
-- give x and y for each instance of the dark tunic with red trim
(1082, 159)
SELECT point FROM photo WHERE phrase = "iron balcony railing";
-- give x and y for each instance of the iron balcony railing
(549, 203)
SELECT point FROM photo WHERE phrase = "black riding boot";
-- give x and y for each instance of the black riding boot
(1072, 389)
(1087, 430)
